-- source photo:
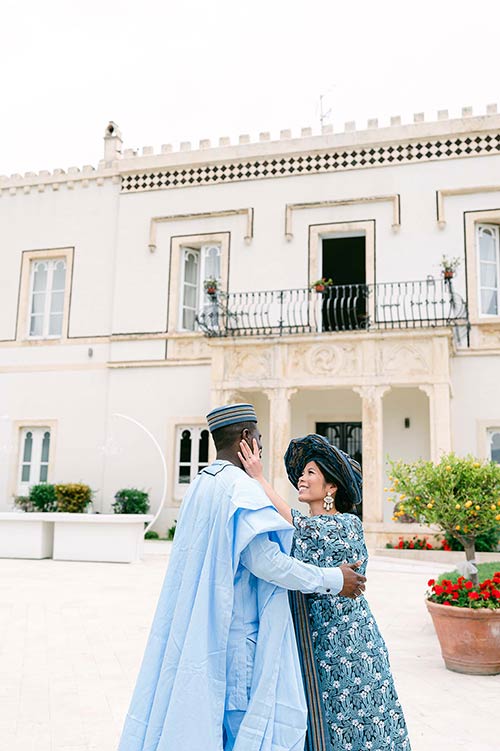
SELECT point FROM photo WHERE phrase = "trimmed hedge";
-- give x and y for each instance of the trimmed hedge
(131, 501)
(73, 497)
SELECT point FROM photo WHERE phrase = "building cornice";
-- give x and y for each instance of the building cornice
(310, 153)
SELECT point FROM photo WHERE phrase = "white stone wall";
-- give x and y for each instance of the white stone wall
(114, 359)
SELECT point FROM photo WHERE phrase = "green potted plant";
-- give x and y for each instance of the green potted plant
(449, 266)
(320, 285)
(131, 501)
(462, 497)
(211, 285)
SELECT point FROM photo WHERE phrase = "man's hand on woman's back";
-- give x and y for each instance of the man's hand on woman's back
(354, 583)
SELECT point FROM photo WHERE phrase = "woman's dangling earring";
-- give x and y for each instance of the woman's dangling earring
(328, 501)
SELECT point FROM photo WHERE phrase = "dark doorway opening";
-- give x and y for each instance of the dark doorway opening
(345, 303)
(347, 436)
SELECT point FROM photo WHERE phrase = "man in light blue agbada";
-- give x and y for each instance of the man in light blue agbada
(221, 669)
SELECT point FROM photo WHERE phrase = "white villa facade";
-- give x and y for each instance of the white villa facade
(103, 308)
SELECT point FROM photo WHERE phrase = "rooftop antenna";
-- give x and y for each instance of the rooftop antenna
(324, 115)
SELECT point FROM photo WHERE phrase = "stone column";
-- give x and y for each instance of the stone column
(373, 459)
(280, 414)
(439, 418)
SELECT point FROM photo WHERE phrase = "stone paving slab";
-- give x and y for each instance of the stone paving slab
(72, 636)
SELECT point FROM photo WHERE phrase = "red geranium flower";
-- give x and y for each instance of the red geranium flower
(446, 602)
(431, 582)
(473, 595)
(455, 595)
(468, 585)
(496, 593)
(438, 589)
(486, 595)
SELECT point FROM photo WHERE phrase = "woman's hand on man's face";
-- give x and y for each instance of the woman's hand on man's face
(250, 459)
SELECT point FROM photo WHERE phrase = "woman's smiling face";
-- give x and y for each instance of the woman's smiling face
(312, 486)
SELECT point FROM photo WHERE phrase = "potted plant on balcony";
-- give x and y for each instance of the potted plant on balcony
(211, 286)
(449, 266)
(462, 497)
(320, 285)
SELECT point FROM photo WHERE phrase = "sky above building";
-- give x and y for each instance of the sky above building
(185, 70)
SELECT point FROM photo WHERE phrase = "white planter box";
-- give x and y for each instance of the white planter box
(25, 535)
(113, 538)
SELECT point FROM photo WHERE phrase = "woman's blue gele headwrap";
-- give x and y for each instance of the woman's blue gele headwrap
(345, 470)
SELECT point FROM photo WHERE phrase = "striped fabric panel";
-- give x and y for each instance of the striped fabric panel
(318, 737)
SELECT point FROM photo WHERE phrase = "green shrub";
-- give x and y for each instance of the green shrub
(171, 531)
(485, 543)
(43, 497)
(151, 535)
(131, 501)
(73, 497)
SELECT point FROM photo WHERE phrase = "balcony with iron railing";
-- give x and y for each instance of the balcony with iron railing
(350, 307)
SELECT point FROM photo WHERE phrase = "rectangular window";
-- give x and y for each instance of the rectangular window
(488, 266)
(494, 444)
(198, 266)
(192, 454)
(34, 458)
(46, 299)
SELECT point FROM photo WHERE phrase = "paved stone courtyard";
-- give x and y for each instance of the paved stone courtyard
(72, 637)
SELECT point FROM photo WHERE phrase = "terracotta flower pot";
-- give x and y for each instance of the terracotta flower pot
(319, 287)
(448, 274)
(469, 639)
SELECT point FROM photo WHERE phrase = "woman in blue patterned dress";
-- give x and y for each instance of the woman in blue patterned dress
(359, 706)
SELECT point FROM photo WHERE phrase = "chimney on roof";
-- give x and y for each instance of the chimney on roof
(112, 142)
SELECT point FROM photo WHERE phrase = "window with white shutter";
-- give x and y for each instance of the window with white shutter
(34, 457)
(198, 266)
(47, 290)
(488, 269)
(192, 455)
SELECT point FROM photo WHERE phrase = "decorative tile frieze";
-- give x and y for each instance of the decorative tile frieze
(315, 162)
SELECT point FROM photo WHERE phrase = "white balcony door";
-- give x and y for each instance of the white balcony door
(489, 268)
(198, 264)
(34, 458)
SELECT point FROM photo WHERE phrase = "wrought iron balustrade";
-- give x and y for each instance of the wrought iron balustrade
(347, 307)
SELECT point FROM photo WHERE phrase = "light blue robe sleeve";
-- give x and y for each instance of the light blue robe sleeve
(264, 559)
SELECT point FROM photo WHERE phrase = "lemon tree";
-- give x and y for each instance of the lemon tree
(461, 495)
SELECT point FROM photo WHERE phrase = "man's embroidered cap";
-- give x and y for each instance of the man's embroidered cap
(230, 415)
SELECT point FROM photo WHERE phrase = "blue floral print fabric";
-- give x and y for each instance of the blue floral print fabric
(361, 704)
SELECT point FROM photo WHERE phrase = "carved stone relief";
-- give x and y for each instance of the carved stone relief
(323, 359)
(409, 359)
(188, 349)
(253, 365)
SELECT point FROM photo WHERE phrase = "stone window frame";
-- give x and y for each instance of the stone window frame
(174, 425)
(483, 428)
(17, 431)
(23, 316)
(472, 220)
(319, 232)
(177, 243)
